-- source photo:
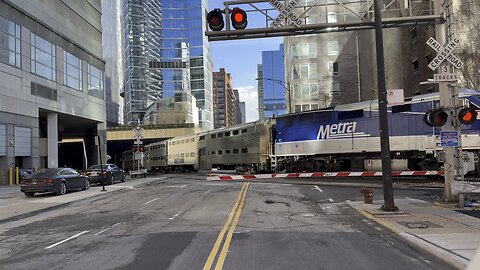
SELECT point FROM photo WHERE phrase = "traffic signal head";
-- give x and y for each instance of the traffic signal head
(215, 20)
(141, 149)
(239, 18)
(435, 118)
(467, 116)
(134, 149)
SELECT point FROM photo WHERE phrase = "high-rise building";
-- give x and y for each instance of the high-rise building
(113, 53)
(223, 100)
(323, 69)
(168, 62)
(238, 112)
(51, 69)
(243, 112)
(261, 105)
(274, 85)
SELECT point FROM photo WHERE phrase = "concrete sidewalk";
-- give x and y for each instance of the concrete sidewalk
(14, 205)
(440, 231)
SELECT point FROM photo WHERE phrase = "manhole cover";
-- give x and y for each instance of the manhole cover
(420, 224)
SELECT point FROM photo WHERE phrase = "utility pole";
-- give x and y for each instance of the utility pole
(389, 204)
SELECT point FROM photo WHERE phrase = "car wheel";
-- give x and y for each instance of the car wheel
(29, 194)
(87, 184)
(63, 189)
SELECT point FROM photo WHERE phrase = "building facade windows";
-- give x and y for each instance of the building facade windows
(305, 71)
(335, 89)
(72, 71)
(95, 82)
(332, 47)
(43, 57)
(304, 50)
(307, 91)
(9, 43)
(332, 68)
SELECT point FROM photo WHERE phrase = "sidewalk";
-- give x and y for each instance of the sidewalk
(440, 231)
(14, 205)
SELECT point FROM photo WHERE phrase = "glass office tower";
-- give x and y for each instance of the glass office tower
(168, 60)
(274, 84)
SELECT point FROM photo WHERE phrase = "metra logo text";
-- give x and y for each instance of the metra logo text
(336, 130)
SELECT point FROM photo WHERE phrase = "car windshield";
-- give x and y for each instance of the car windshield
(97, 167)
(45, 173)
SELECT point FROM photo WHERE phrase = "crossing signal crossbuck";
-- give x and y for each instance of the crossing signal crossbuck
(439, 117)
(238, 19)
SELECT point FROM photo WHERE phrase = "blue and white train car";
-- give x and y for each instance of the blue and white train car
(347, 137)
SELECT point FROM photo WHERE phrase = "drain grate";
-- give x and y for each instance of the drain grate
(419, 224)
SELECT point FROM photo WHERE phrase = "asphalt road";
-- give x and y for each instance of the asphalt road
(188, 223)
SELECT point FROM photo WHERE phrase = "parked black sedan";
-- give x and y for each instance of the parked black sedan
(111, 174)
(58, 180)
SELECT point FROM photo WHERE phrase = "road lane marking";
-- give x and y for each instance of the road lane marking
(330, 199)
(151, 201)
(176, 215)
(183, 186)
(228, 240)
(68, 239)
(319, 189)
(218, 242)
(111, 227)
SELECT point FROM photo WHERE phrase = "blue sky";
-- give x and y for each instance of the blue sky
(240, 59)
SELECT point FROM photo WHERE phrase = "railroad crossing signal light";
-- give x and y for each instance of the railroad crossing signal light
(215, 20)
(435, 118)
(467, 116)
(141, 149)
(134, 149)
(239, 18)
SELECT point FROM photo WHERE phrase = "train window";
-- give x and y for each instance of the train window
(220, 135)
(220, 152)
(235, 132)
(244, 130)
(192, 139)
(202, 138)
(227, 151)
(235, 151)
(402, 108)
(192, 154)
(183, 141)
(213, 136)
(350, 114)
(213, 153)
(244, 150)
(227, 133)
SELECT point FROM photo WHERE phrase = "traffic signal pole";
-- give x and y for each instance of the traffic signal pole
(448, 99)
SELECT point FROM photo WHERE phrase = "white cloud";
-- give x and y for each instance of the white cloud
(249, 94)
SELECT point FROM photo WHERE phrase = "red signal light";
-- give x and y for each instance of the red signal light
(134, 149)
(239, 18)
(141, 149)
(215, 20)
(467, 116)
(435, 118)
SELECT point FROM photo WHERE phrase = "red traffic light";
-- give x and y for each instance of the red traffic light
(215, 20)
(239, 18)
(467, 116)
(435, 118)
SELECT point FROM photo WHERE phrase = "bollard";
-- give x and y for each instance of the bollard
(17, 176)
(367, 195)
(10, 176)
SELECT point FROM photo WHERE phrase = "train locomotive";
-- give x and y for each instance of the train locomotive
(341, 138)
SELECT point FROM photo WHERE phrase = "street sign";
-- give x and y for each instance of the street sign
(444, 53)
(449, 139)
(446, 77)
(465, 187)
(138, 155)
(138, 141)
(286, 12)
(395, 97)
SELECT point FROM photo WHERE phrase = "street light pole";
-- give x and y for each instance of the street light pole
(389, 204)
(285, 85)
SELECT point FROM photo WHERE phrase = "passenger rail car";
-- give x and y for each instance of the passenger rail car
(246, 148)
(156, 156)
(347, 137)
(183, 153)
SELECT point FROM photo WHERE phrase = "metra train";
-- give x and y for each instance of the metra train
(343, 138)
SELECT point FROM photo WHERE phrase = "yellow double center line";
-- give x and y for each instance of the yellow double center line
(232, 223)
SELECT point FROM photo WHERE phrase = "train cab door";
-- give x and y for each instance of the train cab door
(202, 159)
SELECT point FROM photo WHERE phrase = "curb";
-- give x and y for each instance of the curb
(420, 244)
(54, 207)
